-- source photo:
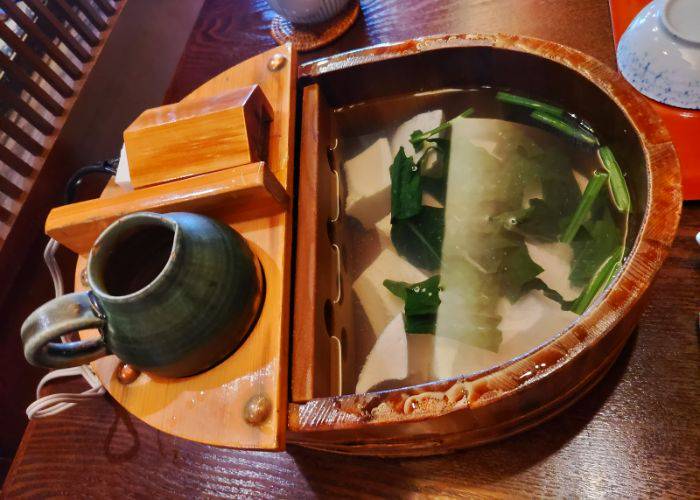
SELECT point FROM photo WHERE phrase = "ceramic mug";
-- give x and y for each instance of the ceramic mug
(171, 294)
(307, 11)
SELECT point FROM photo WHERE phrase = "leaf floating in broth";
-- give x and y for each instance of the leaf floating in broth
(517, 271)
(594, 243)
(563, 126)
(536, 221)
(419, 239)
(616, 182)
(418, 137)
(543, 218)
(600, 280)
(582, 211)
(550, 293)
(406, 191)
(529, 103)
(421, 303)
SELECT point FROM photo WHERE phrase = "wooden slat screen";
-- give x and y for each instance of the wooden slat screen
(47, 48)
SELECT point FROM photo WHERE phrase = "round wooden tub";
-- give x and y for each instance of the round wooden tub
(444, 415)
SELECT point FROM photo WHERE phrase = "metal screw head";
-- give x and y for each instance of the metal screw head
(126, 374)
(257, 409)
(84, 278)
(276, 62)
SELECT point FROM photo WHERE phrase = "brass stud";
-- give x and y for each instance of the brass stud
(276, 62)
(84, 278)
(126, 374)
(257, 409)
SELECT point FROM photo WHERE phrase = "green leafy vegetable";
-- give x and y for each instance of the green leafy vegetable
(550, 293)
(596, 240)
(529, 103)
(600, 280)
(419, 239)
(565, 127)
(418, 137)
(421, 303)
(590, 194)
(517, 270)
(406, 191)
(616, 182)
(398, 288)
(543, 219)
(560, 190)
(535, 221)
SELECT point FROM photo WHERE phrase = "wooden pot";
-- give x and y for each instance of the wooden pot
(444, 415)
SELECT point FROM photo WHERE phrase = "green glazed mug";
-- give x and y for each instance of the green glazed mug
(171, 294)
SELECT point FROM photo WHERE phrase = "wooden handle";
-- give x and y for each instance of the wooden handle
(247, 191)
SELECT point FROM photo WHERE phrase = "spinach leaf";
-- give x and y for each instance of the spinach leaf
(398, 288)
(406, 191)
(421, 303)
(418, 137)
(550, 293)
(419, 239)
(517, 271)
(603, 276)
(545, 217)
(423, 297)
(560, 191)
(420, 323)
(536, 221)
(597, 239)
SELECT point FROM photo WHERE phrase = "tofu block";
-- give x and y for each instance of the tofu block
(526, 324)
(401, 138)
(422, 121)
(383, 227)
(379, 304)
(388, 359)
(369, 183)
(555, 259)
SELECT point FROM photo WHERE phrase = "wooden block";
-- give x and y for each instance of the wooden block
(198, 136)
(247, 191)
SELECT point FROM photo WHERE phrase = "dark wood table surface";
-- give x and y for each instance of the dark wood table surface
(635, 434)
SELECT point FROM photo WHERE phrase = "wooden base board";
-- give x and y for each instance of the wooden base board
(209, 407)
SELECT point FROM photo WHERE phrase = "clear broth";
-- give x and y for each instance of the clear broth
(371, 135)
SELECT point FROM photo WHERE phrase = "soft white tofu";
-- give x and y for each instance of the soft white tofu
(422, 121)
(379, 304)
(383, 227)
(555, 259)
(369, 183)
(529, 322)
(388, 359)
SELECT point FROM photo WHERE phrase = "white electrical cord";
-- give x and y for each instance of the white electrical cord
(56, 403)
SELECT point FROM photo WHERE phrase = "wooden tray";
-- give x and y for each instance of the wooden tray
(210, 407)
(438, 416)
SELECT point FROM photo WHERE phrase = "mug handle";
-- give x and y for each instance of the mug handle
(65, 314)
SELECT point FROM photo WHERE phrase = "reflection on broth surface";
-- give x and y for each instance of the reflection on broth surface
(478, 224)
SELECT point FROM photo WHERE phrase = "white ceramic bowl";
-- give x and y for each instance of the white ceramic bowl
(307, 11)
(659, 54)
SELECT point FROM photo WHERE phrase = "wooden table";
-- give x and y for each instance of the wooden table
(635, 434)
